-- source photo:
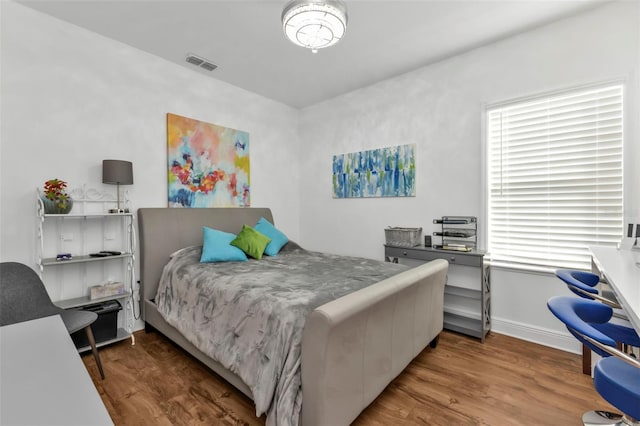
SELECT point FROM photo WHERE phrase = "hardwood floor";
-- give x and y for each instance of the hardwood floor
(505, 381)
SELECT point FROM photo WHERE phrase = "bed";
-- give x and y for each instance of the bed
(351, 347)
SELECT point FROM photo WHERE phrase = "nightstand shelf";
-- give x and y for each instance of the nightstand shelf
(86, 215)
(463, 324)
(87, 229)
(467, 295)
(86, 300)
(463, 292)
(121, 334)
(52, 261)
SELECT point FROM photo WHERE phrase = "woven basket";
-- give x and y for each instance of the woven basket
(404, 237)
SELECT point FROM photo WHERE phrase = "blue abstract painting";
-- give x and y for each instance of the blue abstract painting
(383, 172)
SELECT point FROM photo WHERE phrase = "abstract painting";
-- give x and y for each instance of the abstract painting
(208, 164)
(383, 172)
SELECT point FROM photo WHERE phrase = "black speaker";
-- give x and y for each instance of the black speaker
(427, 240)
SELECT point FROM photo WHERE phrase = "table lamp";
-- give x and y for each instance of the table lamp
(117, 172)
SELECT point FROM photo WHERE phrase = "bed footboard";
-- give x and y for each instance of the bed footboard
(353, 347)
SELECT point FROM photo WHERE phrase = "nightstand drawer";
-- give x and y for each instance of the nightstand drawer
(459, 258)
(410, 253)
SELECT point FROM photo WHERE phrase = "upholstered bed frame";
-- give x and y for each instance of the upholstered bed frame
(352, 347)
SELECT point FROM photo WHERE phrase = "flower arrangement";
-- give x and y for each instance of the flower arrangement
(54, 191)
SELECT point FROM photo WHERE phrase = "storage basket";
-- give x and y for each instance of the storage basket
(104, 328)
(404, 237)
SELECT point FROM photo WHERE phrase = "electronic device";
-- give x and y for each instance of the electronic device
(631, 242)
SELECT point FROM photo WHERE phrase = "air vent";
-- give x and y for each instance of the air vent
(208, 66)
(194, 60)
(201, 62)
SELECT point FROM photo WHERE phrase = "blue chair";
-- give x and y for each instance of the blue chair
(584, 285)
(617, 375)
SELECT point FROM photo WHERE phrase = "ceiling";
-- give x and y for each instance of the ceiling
(245, 39)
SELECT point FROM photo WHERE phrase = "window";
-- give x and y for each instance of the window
(555, 177)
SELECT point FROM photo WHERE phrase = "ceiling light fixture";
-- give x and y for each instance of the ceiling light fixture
(314, 24)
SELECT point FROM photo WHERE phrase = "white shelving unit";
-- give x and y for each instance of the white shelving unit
(88, 228)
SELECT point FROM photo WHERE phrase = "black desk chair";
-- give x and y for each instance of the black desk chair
(23, 297)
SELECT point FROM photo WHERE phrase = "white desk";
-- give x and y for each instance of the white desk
(43, 380)
(621, 268)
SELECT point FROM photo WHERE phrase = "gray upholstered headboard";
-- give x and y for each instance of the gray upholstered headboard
(162, 231)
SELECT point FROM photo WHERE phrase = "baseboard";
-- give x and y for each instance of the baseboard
(563, 341)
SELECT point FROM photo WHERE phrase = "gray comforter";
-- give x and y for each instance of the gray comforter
(249, 316)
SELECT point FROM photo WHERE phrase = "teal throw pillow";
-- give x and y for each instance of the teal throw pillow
(278, 239)
(216, 247)
(251, 242)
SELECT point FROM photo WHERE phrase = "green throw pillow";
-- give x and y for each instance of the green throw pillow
(251, 242)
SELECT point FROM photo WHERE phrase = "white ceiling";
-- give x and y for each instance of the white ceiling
(244, 38)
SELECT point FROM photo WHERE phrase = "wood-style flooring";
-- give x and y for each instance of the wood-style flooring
(504, 381)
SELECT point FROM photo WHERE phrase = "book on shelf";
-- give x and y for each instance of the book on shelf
(451, 221)
(462, 233)
(456, 247)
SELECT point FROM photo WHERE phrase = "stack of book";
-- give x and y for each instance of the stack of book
(456, 247)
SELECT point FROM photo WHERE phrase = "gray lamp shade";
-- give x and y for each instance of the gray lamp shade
(117, 172)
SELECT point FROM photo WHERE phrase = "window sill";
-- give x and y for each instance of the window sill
(527, 269)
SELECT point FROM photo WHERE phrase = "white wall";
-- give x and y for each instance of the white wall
(71, 98)
(439, 108)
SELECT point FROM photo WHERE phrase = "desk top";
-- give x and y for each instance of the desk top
(473, 252)
(43, 378)
(622, 270)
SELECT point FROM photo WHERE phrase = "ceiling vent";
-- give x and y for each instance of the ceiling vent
(201, 62)
(208, 66)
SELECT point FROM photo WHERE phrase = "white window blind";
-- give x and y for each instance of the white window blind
(555, 177)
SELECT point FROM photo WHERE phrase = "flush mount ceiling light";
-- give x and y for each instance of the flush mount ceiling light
(314, 24)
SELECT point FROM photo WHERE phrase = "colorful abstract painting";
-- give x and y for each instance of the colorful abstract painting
(383, 172)
(208, 164)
